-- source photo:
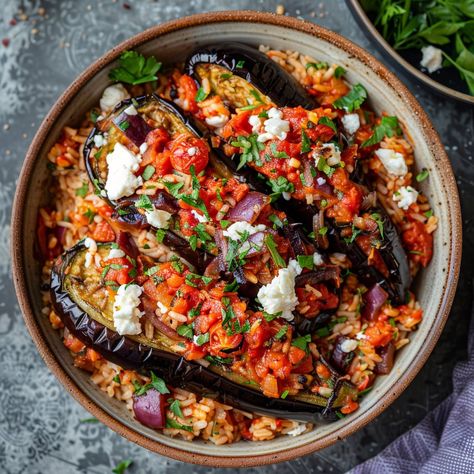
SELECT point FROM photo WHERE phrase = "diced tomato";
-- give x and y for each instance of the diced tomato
(349, 407)
(187, 151)
(296, 354)
(238, 125)
(220, 341)
(297, 116)
(187, 91)
(194, 352)
(380, 334)
(156, 155)
(419, 243)
(304, 367)
(105, 211)
(119, 270)
(321, 132)
(322, 371)
(73, 343)
(103, 232)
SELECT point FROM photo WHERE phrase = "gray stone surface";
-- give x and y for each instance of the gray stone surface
(40, 429)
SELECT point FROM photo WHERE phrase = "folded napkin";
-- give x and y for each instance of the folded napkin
(444, 441)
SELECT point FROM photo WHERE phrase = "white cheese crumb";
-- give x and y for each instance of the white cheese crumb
(349, 345)
(99, 140)
(237, 229)
(318, 259)
(360, 335)
(256, 123)
(143, 147)
(351, 123)
(115, 253)
(432, 58)
(88, 260)
(158, 218)
(321, 181)
(198, 216)
(405, 196)
(297, 430)
(333, 155)
(131, 110)
(218, 121)
(279, 295)
(192, 151)
(125, 311)
(121, 181)
(91, 244)
(286, 196)
(111, 96)
(162, 307)
(393, 161)
(275, 125)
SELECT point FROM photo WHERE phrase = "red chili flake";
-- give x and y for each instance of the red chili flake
(13, 22)
(127, 6)
(5, 42)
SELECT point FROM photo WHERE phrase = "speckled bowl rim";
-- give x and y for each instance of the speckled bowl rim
(19, 266)
(371, 32)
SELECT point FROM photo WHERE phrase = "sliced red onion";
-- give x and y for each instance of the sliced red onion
(373, 299)
(149, 409)
(132, 125)
(320, 238)
(387, 354)
(322, 274)
(249, 208)
(149, 307)
(127, 244)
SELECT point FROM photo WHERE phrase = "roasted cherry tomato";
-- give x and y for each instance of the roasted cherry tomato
(187, 151)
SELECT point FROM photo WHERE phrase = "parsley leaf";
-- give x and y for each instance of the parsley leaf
(170, 423)
(328, 122)
(339, 72)
(272, 248)
(422, 175)
(121, 467)
(353, 100)
(201, 339)
(281, 332)
(302, 342)
(144, 202)
(135, 69)
(148, 172)
(305, 142)
(200, 95)
(175, 407)
(185, 330)
(305, 261)
(388, 127)
(83, 190)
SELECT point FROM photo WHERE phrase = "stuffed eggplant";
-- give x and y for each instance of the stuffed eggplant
(81, 294)
(244, 77)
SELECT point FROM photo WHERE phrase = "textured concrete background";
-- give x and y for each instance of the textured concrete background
(40, 429)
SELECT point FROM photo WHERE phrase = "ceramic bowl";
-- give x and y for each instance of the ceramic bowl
(172, 41)
(446, 81)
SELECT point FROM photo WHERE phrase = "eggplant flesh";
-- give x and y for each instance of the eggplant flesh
(255, 78)
(75, 294)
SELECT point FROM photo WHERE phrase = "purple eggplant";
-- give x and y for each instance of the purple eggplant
(80, 312)
(387, 353)
(243, 75)
(340, 357)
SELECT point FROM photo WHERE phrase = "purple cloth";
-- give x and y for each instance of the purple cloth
(444, 441)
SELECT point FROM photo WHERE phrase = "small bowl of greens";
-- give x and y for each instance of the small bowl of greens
(433, 40)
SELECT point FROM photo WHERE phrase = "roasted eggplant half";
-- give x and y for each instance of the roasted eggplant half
(245, 77)
(85, 306)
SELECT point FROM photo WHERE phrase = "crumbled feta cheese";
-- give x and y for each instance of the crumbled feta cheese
(286, 196)
(279, 295)
(115, 253)
(198, 216)
(297, 430)
(321, 181)
(218, 121)
(405, 196)
(158, 218)
(131, 110)
(332, 154)
(295, 266)
(99, 140)
(393, 161)
(125, 310)
(121, 181)
(360, 335)
(162, 307)
(351, 123)
(143, 147)
(349, 345)
(432, 58)
(256, 123)
(91, 244)
(88, 260)
(111, 96)
(235, 230)
(275, 125)
(318, 259)
(192, 151)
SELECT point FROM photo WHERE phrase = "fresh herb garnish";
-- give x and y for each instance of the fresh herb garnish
(281, 332)
(328, 122)
(174, 188)
(175, 407)
(240, 64)
(305, 142)
(302, 342)
(185, 330)
(170, 423)
(148, 172)
(270, 317)
(339, 72)
(160, 235)
(83, 190)
(284, 394)
(422, 175)
(90, 214)
(135, 69)
(379, 220)
(201, 94)
(122, 466)
(353, 100)
(317, 66)
(272, 248)
(156, 383)
(218, 360)
(89, 420)
(388, 127)
(144, 202)
(231, 287)
(250, 149)
(305, 261)
(201, 339)
(281, 185)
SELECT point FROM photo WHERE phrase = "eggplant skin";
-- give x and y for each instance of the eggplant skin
(174, 369)
(256, 68)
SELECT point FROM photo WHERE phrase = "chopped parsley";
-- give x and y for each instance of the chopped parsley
(200, 95)
(190, 277)
(353, 100)
(121, 467)
(250, 148)
(388, 127)
(280, 185)
(160, 235)
(339, 72)
(135, 69)
(328, 122)
(177, 264)
(323, 230)
(83, 190)
(324, 167)
(378, 219)
(175, 407)
(231, 287)
(156, 383)
(185, 330)
(277, 223)
(305, 261)
(302, 342)
(218, 360)
(281, 332)
(170, 423)
(422, 175)
(148, 172)
(240, 64)
(317, 66)
(174, 188)
(270, 317)
(272, 248)
(305, 142)
(201, 339)
(90, 214)
(284, 394)
(144, 202)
